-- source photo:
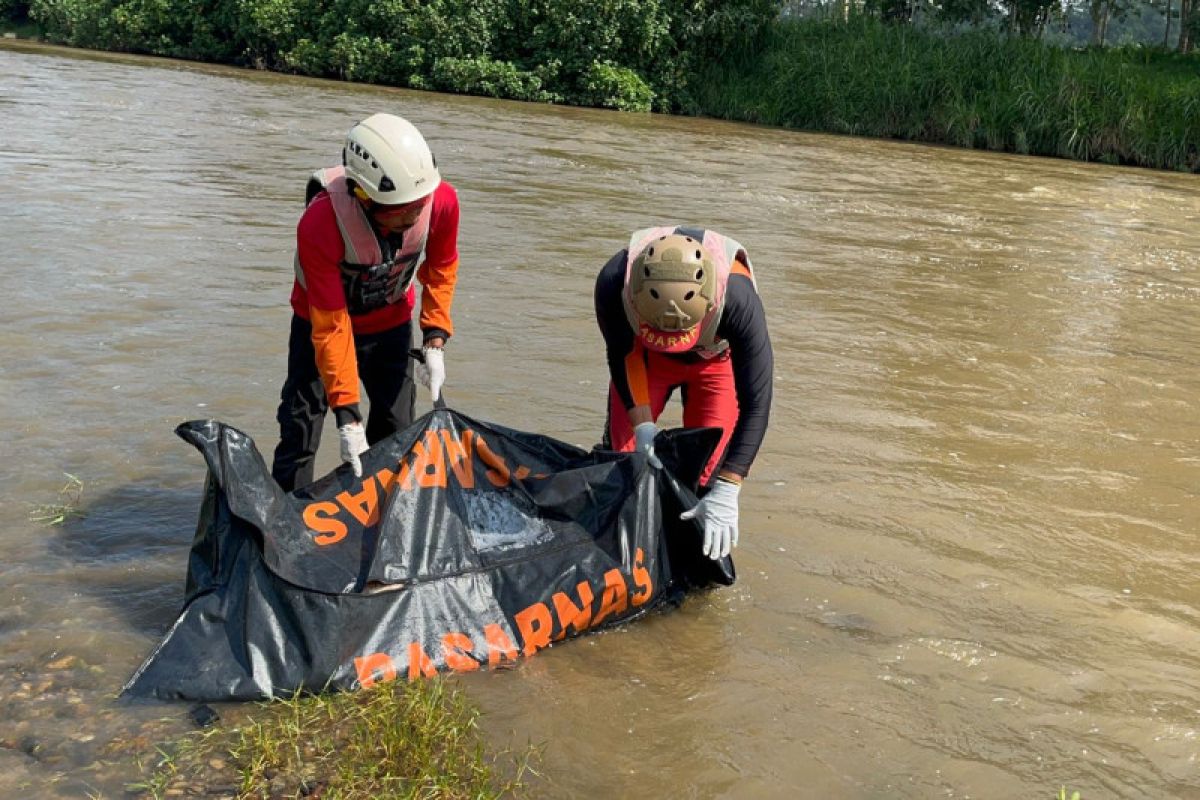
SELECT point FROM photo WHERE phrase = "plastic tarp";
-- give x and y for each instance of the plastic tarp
(464, 546)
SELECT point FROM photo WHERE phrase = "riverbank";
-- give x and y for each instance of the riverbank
(397, 740)
(23, 31)
(980, 89)
(1130, 106)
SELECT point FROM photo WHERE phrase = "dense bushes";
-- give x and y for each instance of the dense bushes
(627, 54)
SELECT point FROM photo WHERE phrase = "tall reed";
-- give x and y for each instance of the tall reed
(978, 89)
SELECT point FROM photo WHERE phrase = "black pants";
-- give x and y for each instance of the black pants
(385, 369)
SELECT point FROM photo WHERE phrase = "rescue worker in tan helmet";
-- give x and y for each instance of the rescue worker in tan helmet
(679, 309)
(373, 224)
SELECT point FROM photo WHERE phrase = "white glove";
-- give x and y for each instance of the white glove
(643, 435)
(353, 438)
(719, 513)
(432, 374)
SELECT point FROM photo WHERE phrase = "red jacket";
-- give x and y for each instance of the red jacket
(321, 251)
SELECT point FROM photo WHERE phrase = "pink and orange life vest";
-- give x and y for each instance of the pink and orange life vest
(374, 273)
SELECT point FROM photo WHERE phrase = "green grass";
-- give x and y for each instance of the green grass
(977, 89)
(66, 508)
(396, 740)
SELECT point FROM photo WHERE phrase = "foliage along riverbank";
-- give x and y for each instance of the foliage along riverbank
(977, 89)
(733, 59)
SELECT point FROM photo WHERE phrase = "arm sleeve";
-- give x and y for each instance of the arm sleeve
(333, 339)
(744, 326)
(332, 333)
(626, 359)
(439, 272)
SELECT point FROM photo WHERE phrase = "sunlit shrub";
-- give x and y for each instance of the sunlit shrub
(484, 76)
(610, 86)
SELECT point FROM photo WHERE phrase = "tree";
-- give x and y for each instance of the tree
(1104, 12)
(1028, 17)
(1189, 22)
(1100, 11)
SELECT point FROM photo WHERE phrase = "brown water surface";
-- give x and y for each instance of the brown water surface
(969, 559)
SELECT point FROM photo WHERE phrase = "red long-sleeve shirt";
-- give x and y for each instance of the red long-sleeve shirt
(322, 300)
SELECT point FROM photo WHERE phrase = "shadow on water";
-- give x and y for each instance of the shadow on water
(130, 552)
(106, 587)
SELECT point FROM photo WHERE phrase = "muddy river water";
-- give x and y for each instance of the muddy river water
(969, 563)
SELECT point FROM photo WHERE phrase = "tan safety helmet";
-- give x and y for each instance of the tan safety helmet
(387, 158)
(673, 283)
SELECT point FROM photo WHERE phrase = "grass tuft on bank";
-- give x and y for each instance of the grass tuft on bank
(396, 740)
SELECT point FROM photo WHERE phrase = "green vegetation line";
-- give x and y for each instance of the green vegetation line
(948, 73)
(976, 89)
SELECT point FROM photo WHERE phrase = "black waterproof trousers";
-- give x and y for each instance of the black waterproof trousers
(386, 371)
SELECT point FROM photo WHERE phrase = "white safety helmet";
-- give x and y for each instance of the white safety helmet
(387, 157)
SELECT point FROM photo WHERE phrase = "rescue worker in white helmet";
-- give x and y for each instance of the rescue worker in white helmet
(372, 224)
(679, 309)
